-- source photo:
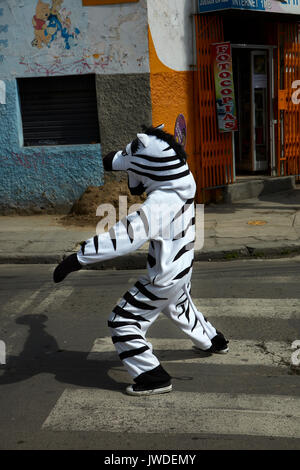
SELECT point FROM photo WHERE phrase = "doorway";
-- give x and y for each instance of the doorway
(253, 83)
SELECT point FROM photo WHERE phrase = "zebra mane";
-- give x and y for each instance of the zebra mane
(168, 138)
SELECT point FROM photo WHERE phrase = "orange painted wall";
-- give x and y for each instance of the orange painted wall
(172, 94)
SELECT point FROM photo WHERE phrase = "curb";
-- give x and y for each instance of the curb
(242, 190)
(138, 260)
(30, 259)
(248, 252)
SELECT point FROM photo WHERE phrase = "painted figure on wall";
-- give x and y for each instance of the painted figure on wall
(39, 22)
(52, 23)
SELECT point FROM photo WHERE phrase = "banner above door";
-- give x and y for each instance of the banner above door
(269, 6)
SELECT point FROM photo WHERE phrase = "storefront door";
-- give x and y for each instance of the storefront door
(253, 89)
(259, 103)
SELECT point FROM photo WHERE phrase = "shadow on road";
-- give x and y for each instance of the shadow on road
(41, 354)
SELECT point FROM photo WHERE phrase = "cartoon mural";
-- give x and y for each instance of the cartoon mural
(42, 13)
(52, 24)
(62, 37)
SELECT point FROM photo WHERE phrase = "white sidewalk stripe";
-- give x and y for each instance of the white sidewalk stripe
(18, 304)
(250, 308)
(178, 412)
(55, 297)
(241, 352)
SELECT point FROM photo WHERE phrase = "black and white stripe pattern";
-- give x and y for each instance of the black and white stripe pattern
(156, 163)
(136, 312)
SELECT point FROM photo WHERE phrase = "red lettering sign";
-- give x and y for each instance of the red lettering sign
(224, 87)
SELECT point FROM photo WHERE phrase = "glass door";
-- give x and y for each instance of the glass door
(242, 85)
(260, 118)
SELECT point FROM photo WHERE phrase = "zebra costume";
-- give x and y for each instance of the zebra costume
(155, 163)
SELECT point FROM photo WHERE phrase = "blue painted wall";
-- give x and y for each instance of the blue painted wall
(48, 177)
(109, 40)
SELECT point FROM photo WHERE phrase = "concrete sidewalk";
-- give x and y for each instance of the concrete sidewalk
(265, 226)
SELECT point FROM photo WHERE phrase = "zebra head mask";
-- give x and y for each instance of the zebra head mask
(154, 160)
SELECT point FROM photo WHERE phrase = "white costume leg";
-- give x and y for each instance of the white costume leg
(183, 312)
(129, 322)
(136, 312)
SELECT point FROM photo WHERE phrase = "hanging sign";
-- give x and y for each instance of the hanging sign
(269, 6)
(225, 100)
(180, 130)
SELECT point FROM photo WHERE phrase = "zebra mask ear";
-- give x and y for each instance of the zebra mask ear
(144, 139)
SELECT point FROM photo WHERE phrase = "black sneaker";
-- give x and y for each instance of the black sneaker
(149, 389)
(219, 345)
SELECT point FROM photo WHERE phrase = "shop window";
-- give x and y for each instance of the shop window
(87, 3)
(59, 110)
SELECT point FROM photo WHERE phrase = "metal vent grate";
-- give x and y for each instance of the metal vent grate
(59, 110)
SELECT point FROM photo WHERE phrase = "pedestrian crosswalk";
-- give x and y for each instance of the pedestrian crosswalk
(242, 352)
(178, 412)
(250, 307)
(182, 411)
(38, 301)
(192, 411)
(36, 304)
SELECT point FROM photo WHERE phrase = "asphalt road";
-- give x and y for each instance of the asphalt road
(62, 384)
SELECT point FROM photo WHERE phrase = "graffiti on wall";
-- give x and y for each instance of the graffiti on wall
(86, 64)
(53, 24)
(57, 37)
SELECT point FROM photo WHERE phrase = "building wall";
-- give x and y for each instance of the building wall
(35, 179)
(99, 39)
(109, 41)
(124, 101)
(171, 56)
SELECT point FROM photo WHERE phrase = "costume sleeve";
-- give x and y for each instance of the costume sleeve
(124, 237)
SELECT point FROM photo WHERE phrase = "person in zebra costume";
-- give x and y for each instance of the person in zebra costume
(155, 164)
